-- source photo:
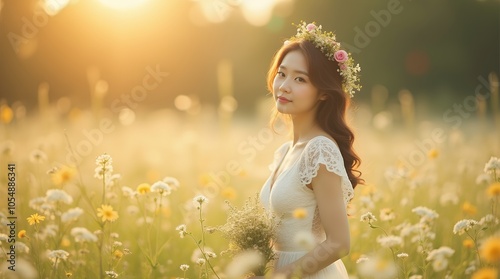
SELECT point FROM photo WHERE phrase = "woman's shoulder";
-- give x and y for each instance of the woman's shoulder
(322, 140)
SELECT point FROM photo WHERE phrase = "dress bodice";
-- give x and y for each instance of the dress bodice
(290, 192)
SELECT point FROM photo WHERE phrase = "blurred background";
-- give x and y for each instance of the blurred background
(177, 88)
(80, 50)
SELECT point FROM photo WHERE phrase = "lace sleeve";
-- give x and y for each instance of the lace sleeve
(278, 155)
(322, 150)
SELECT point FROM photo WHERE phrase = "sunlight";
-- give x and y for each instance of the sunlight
(53, 7)
(123, 4)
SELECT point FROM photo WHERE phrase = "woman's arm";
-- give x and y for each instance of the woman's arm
(328, 193)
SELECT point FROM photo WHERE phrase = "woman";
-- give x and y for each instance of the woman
(313, 176)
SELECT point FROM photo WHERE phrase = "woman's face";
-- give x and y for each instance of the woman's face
(292, 88)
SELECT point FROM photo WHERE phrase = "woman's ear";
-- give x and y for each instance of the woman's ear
(323, 96)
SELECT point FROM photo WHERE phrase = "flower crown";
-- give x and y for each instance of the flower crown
(325, 41)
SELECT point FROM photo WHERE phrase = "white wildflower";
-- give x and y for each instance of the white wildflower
(111, 274)
(492, 166)
(390, 241)
(72, 214)
(172, 182)
(20, 246)
(57, 195)
(184, 267)
(470, 269)
(37, 156)
(440, 264)
(243, 262)
(441, 252)
(366, 202)
(161, 187)
(368, 217)
(83, 235)
(128, 192)
(377, 268)
(402, 255)
(483, 179)
(464, 225)
(182, 229)
(425, 213)
(488, 220)
(200, 261)
(53, 255)
(210, 254)
(387, 214)
(448, 198)
(37, 203)
(49, 231)
(199, 200)
(104, 167)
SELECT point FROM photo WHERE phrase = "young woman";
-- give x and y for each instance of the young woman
(313, 175)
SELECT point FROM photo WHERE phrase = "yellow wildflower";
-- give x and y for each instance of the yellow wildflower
(65, 242)
(6, 114)
(63, 175)
(485, 273)
(143, 188)
(494, 189)
(468, 243)
(299, 213)
(204, 179)
(490, 250)
(433, 153)
(22, 234)
(107, 213)
(118, 254)
(468, 208)
(229, 193)
(69, 274)
(35, 219)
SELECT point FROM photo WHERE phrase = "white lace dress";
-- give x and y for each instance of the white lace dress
(290, 192)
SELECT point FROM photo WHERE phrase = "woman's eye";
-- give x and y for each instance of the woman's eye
(281, 74)
(299, 79)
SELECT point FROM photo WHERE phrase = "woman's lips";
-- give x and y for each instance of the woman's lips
(283, 100)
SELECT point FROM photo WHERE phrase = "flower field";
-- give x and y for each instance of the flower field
(142, 195)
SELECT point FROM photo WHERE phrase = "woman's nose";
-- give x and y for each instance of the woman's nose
(284, 87)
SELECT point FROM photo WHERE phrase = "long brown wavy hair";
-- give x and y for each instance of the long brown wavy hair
(331, 112)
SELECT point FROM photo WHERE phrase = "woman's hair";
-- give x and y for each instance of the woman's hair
(331, 112)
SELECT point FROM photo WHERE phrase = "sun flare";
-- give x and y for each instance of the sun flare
(123, 4)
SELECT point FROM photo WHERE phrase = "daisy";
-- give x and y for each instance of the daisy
(107, 213)
(35, 219)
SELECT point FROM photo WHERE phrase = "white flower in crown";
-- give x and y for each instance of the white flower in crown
(327, 43)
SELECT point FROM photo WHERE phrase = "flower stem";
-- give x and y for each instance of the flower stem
(204, 256)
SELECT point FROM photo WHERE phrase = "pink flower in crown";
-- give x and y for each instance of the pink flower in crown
(340, 56)
(342, 66)
(310, 27)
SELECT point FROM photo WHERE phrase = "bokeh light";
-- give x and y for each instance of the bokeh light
(123, 4)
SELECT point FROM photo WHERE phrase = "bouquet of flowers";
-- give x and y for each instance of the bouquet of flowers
(251, 229)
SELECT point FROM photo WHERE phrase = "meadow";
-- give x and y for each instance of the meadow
(137, 194)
